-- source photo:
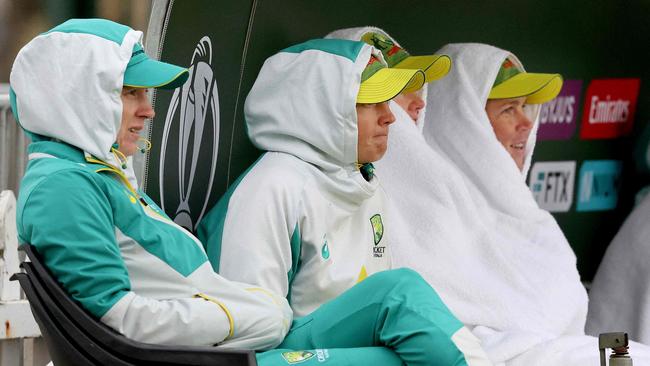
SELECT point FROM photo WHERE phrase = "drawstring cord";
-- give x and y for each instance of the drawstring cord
(119, 155)
(147, 145)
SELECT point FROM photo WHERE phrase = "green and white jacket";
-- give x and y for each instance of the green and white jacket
(106, 242)
(302, 221)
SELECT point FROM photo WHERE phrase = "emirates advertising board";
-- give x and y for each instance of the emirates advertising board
(609, 107)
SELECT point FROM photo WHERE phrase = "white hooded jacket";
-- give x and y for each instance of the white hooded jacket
(303, 220)
(109, 245)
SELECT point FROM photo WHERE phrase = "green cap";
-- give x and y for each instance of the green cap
(144, 72)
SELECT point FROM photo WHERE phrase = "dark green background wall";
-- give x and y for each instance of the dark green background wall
(580, 39)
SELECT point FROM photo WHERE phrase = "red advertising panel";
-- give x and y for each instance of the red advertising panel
(609, 108)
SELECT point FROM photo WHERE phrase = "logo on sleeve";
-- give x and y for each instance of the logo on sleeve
(378, 233)
(294, 357)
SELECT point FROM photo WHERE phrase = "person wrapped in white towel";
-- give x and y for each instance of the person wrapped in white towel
(620, 295)
(469, 223)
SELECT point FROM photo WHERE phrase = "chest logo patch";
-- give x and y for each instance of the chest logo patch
(296, 356)
(377, 227)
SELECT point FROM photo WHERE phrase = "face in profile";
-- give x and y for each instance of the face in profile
(412, 103)
(373, 121)
(136, 108)
(511, 126)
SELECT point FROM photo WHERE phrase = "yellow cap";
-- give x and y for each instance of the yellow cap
(434, 66)
(386, 83)
(513, 83)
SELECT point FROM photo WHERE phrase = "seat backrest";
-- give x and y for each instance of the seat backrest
(95, 341)
(63, 347)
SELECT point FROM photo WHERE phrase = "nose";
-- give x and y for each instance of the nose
(386, 117)
(418, 103)
(146, 110)
(524, 122)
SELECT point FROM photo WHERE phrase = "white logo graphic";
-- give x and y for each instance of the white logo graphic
(559, 110)
(193, 111)
(552, 184)
(608, 111)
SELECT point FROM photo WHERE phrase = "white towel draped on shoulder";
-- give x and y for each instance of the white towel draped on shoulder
(620, 294)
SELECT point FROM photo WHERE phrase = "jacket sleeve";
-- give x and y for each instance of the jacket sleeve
(69, 219)
(254, 227)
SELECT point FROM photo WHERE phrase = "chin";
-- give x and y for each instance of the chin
(129, 151)
(377, 157)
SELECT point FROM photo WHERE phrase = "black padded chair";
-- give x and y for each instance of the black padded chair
(74, 337)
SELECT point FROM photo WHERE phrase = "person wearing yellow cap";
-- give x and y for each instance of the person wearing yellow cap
(320, 112)
(512, 91)
(308, 220)
(468, 221)
(434, 66)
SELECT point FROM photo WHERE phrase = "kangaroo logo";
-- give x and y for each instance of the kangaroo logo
(191, 138)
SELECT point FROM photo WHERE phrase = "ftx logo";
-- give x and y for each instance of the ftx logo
(552, 184)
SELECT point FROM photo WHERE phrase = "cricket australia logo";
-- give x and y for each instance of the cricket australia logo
(378, 233)
(190, 142)
(294, 357)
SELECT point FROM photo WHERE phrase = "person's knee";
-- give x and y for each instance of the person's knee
(398, 277)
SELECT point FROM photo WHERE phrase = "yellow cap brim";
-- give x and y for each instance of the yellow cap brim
(434, 66)
(387, 83)
(537, 88)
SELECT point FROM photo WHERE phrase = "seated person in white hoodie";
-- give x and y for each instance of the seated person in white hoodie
(473, 229)
(116, 252)
(307, 220)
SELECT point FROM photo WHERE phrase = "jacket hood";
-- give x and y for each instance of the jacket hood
(355, 34)
(66, 84)
(304, 102)
(458, 126)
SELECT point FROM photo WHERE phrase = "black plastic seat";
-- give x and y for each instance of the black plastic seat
(74, 337)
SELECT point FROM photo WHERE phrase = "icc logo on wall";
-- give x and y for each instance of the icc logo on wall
(190, 142)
